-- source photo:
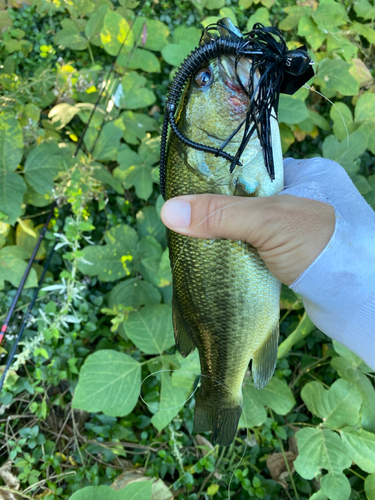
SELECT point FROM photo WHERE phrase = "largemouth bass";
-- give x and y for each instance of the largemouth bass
(225, 300)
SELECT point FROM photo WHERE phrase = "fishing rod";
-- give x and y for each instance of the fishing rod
(49, 217)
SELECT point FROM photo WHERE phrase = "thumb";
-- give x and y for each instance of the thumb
(212, 216)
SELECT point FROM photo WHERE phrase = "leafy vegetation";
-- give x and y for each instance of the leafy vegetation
(72, 424)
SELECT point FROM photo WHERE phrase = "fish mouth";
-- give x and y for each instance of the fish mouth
(230, 74)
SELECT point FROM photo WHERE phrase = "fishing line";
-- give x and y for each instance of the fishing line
(200, 375)
(312, 88)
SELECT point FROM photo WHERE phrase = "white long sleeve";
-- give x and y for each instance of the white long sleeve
(338, 289)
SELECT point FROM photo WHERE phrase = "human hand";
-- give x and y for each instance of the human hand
(288, 231)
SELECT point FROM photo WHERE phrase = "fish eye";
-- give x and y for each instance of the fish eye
(204, 77)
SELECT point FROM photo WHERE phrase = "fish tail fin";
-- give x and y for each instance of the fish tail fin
(184, 342)
(223, 422)
(264, 360)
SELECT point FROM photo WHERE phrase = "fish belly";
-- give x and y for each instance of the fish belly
(226, 304)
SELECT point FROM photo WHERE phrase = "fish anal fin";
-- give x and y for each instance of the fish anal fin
(223, 422)
(264, 360)
(184, 342)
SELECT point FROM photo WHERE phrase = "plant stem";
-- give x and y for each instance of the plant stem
(91, 54)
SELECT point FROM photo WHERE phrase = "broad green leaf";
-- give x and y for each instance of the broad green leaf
(295, 12)
(36, 199)
(320, 449)
(108, 143)
(70, 36)
(286, 136)
(361, 446)
(172, 400)
(61, 114)
(337, 44)
(150, 328)
(115, 259)
(329, 15)
(228, 12)
(139, 176)
(343, 153)
(142, 59)
(133, 292)
(189, 369)
(361, 184)
(11, 143)
(365, 9)
(338, 406)
(277, 396)
(152, 34)
(109, 381)
(261, 15)
(319, 120)
(346, 370)
(253, 413)
(292, 110)
(136, 126)
(148, 222)
(319, 495)
(116, 33)
(334, 76)
(103, 175)
(95, 24)
(149, 150)
(174, 53)
(364, 110)
(12, 267)
(309, 30)
(336, 486)
(132, 94)
(214, 4)
(43, 164)
(139, 490)
(12, 189)
(27, 237)
(342, 120)
(370, 487)
(365, 30)
(368, 128)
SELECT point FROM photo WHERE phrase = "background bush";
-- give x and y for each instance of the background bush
(71, 418)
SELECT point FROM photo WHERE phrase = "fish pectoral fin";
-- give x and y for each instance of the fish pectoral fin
(264, 360)
(223, 422)
(184, 342)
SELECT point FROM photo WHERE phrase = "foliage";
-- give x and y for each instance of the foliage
(101, 330)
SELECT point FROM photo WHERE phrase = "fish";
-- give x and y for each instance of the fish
(225, 300)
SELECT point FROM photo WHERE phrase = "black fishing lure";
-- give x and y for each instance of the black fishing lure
(278, 71)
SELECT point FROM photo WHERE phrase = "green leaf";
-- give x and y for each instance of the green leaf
(338, 406)
(139, 490)
(329, 15)
(172, 400)
(355, 361)
(11, 143)
(334, 76)
(344, 154)
(277, 396)
(292, 110)
(115, 33)
(337, 44)
(103, 175)
(61, 114)
(131, 93)
(109, 381)
(261, 15)
(150, 328)
(320, 449)
(319, 120)
(174, 53)
(12, 267)
(370, 487)
(309, 30)
(365, 30)
(361, 446)
(108, 143)
(155, 33)
(336, 486)
(228, 12)
(295, 12)
(139, 176)
(342, 120)
(253, 413)
(144, 60)
(364, 108)
(148, 222)
(115, 259)
(12, 190)
(134, 292)
(346, 370)
(70, 36)
(43, 164)
(136, 126)
(365, 9)
(189, 369)
(95, 24)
